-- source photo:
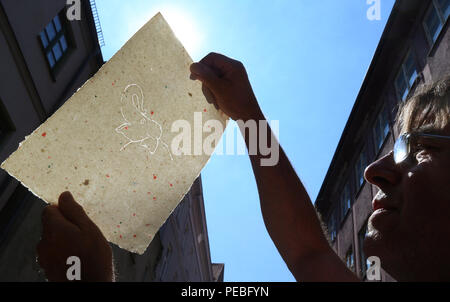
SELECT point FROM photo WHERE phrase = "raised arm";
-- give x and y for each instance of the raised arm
(288, 213)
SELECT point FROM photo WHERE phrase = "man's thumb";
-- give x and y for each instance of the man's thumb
(206, 74)
(72, 211)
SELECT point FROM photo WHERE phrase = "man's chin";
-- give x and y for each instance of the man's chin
(373, 243)
(376, 242)
(379, 244)
(384, 221)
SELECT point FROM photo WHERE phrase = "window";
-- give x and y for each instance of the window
(332, 226)
(346, 202)
(350, 259)
(380, 129)
(54, 42)
(2, 125)
(444, 7)
(364, 263)
(432, 25)
(6, 124)
(406, 77)
(359, 169)
(435, 19)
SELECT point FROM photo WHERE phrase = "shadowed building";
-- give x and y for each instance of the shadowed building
(414, 49)
(44, 59)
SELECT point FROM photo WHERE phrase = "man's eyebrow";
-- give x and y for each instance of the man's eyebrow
(427, 129)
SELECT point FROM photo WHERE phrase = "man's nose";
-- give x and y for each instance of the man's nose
(383, 172)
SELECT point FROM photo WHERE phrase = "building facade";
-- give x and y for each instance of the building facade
(414, 49)
(44, 59)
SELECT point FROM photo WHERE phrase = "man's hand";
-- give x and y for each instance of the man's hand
(226, 82)
(68, 231)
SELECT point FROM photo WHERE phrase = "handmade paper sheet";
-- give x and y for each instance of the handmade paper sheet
(110, 144)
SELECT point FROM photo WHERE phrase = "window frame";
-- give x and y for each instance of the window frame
(360, 166)
(364, 264)
(64, 32)
(332, 226)
(384, 130)
(350, 255)
(6, 124)
(345, 201)
(442, 20)
(402, 71)
(443, 12)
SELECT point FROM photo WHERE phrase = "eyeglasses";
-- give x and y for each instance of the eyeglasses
(402, 147)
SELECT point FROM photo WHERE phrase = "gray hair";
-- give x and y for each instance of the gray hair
(429, 106)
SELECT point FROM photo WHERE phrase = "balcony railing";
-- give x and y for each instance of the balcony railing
(98, 26)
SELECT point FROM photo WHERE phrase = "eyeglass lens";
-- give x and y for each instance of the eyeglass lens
(401, 151)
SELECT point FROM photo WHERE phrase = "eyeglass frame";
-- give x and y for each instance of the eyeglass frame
(407, 137)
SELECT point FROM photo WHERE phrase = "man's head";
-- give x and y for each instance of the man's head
(410, 227)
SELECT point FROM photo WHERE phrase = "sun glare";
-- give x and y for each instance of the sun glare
(184, 27)
(181, 22)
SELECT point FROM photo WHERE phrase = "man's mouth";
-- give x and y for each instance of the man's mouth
(385, 212)
(383, 202)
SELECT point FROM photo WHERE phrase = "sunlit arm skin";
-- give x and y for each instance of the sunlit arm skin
(288, 213)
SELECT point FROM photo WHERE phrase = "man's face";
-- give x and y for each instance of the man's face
(410, 226)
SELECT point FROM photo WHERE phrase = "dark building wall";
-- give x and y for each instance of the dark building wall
(345, 236)
(14, 96)
(27, 19)
(29, 94)
(361, 207)
(404, 33)
(439, 58)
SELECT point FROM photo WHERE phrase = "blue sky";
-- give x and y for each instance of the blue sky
(306, 60)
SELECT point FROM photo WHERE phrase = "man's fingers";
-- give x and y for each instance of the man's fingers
(53, 222)
(48, 213)
(212, 71)
(210, 98)
(207, 75)
(52, 218)
(51, 261)
(219, 63)
(73, 211)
